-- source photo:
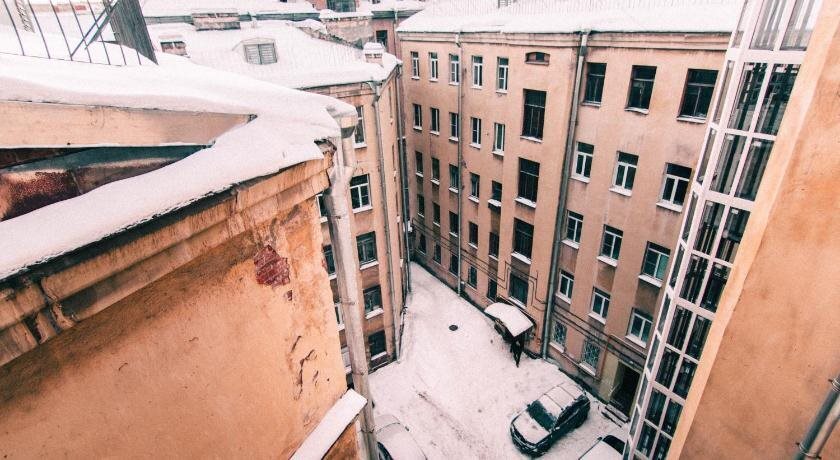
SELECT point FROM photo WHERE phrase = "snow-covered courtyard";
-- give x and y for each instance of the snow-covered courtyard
(457, 391)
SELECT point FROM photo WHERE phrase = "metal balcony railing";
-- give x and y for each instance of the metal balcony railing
(111, 32)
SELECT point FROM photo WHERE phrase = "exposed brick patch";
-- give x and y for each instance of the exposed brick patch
(270, 268)
(289, 295)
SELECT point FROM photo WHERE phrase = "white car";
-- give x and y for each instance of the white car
(607, 448)
(395, 442)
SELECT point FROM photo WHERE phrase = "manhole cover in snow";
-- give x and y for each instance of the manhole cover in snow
(453, 327)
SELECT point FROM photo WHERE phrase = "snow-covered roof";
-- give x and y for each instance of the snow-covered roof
(187, 7)
(392, 5)
(512, 317)
(303, 61)
(554, 16)
(335, 421)
(283, 134)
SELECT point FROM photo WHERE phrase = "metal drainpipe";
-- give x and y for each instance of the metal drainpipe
(564, 191)
(340, 220)
(822, 425)
(403, 178)
(377, 90)
(460, 152)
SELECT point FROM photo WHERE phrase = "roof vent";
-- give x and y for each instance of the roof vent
(373, 52)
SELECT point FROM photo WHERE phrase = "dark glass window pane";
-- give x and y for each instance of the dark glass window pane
(667, 367)
(689, 218)
(684, 378)
(753, 169)
(727, 164)
(529, 176)
(661, 451)
(698, 337)
(534, 115)
(707, 152)
(641, 87)
(699, 87)
(679, 327)
(519, 289)
(523, 237)
(714, 287)
(776, 98)
(672, 416)
(376, 342)
(655, 407)
(646, 438)
(666, 305)
(708, 227)
(675, 269)
(594, 82)
(694, 275)
(748, 92)
(733, 231)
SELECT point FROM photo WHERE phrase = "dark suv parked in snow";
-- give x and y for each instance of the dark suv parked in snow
(555, 413)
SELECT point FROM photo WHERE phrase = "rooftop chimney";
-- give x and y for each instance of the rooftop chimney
(373, 52)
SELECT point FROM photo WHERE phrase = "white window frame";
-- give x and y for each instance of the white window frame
(502, 75)
(613, 238)
(659, 256)
(418, 117)
(499, 139)
(415, 65)
(475, 129)
(566, 286)
(590, 349)
(454, 126)
(671, 200)
(645, 325)
(581, 160)
(599, 306)
(578, 228)
(477, 71)
(433, 67)
(621, 173)
(359, 189)
(434, 123)
(454, 69)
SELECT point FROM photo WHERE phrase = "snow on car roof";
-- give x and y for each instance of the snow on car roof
(284, 132)
(303, 61)
(551, 16)
(564, 394)
(601, 451)
(512, 317)
(397, 440)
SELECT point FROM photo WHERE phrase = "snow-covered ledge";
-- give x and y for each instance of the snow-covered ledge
(335, 421)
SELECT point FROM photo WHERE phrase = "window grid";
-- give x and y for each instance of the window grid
(477, 71)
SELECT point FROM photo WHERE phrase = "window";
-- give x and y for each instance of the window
(436, 214)
(493, 250)
(656, 261)
(418, 116)
(472, 276)
(639, 327)
(767, 28)
(454, 179)
(502, 70)
(492, 288)
(421, 245)
(532, 125)
(714, 287)
(753, 169)
(698, 337)
(523, 238)
(776, 97)
(453, 264)
(675, 185)
(454, 69)
(667, 367)
(415, 64)
(473, 234)
(600, 303)
(433, 66)
(537, 57)
(590, 355)
(477, 71)
(679, 327)
(518, 289)
(322, 207)
(694, 274)
(558, 334)
(496, 191)
(684, 378)
(595, 73)
(727, 164)
(749, 88)
(434, 127)
(625, 171)
(641, 87)
(733, 231)
(366, 247)
(699, 86)
(611, 243)
(453, 223)
(421, 205)
(174, 46)
(329, 260)
(567, 285)
(529, 177)
(435, 169)
(360, 192)
(498, 138)
(382, 38)
(260, 53)
(574, 226)
(583, 160)
(373, 299)
(655, 406)
(341, 6)
(436, 255)
(475, 128)
(418, 163)
(339, 318)
(454, 126)
(359, 135)
(801, 24)
(376, 344)
(475, 183)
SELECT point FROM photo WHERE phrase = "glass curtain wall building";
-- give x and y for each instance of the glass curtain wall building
(761, 66)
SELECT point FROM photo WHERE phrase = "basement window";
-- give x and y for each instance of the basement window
(537, 57)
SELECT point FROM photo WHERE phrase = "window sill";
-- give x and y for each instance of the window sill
(475, 146)
(598, 317)
(476, 87)
(563, 298)
(474, 246)
(638, 110)
(368, 265)
(323, 220)
(436, 133)
(474, 199)
(378, 356)
(333, 276)
(591, 104)
(362, 209)
(501, 91)
(453, 139)
(422, 216)
(621, 191)
(536, 63)
(690, 119)
(454, 83)
(611, 262)
(418, 129)
(499, 153)
(571, 244)
(580, 178)
(361, 145)
(492, 257)
(453, 190)
(435, 182)
(526, 202)
(521, 258)
(494, 203)
(433, 80)
(453, 235)
(516, 302)
(669, 206)
(585, 367)
(415, 77)
(374, 313)
(651, 280)
(436, 224)
(559, 348)
(531, 139)
(636, 341)
(419, 174)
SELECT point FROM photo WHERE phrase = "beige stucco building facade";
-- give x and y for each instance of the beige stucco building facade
(514, 179)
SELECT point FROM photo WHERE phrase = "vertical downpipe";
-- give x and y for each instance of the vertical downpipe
(823, 424)
(564, 191)
(461, 74)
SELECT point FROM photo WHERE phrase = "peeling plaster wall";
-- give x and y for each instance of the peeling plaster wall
(206, 361)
